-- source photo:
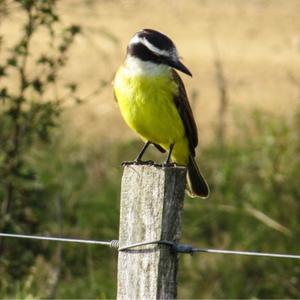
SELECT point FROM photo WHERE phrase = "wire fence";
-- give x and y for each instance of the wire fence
(179, 248)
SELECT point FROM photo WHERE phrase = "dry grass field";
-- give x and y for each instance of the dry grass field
(258, 44)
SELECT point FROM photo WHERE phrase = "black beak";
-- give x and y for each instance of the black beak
(180, 66)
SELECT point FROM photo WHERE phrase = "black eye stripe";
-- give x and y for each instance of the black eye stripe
(142, 52)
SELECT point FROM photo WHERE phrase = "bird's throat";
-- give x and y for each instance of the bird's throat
(136, 67)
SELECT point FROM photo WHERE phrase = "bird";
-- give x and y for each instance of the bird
(154, 103)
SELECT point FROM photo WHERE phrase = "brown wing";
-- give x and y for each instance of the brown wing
(185, 111)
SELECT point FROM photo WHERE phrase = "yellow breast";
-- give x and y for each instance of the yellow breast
(146, 103)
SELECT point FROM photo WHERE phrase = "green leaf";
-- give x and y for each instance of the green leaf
(51, 78)
(72, 87)
(38, 86)
(3, 93)
(2, 71)
(12, 61)
(45, 60)
(74, 29)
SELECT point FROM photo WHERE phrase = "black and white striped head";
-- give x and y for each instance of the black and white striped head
(149, 45)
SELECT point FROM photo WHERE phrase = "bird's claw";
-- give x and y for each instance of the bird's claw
(168, 165)
(137, 162)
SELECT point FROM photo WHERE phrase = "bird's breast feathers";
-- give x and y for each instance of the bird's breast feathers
(147, 105)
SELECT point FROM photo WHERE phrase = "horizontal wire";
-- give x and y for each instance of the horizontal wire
(251, 253)
(179, 248)
(111, 243)
(182, 248)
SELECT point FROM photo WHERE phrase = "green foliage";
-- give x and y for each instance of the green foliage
(254, 205)
(29, 110)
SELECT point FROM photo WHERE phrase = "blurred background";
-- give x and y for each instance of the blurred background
(62, 141)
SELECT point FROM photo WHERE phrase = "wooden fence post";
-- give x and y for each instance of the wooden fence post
(151, 204)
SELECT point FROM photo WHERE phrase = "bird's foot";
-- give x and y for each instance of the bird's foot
(137, 162)
(168, 165)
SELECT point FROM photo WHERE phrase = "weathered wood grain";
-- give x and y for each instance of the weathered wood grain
(151, 204)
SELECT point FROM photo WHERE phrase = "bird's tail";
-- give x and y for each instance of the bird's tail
(196, 183)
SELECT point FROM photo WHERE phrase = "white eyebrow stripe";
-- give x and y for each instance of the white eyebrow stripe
(136, 39)
(155, 49)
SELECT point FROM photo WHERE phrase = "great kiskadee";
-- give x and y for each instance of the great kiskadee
(154, 103)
